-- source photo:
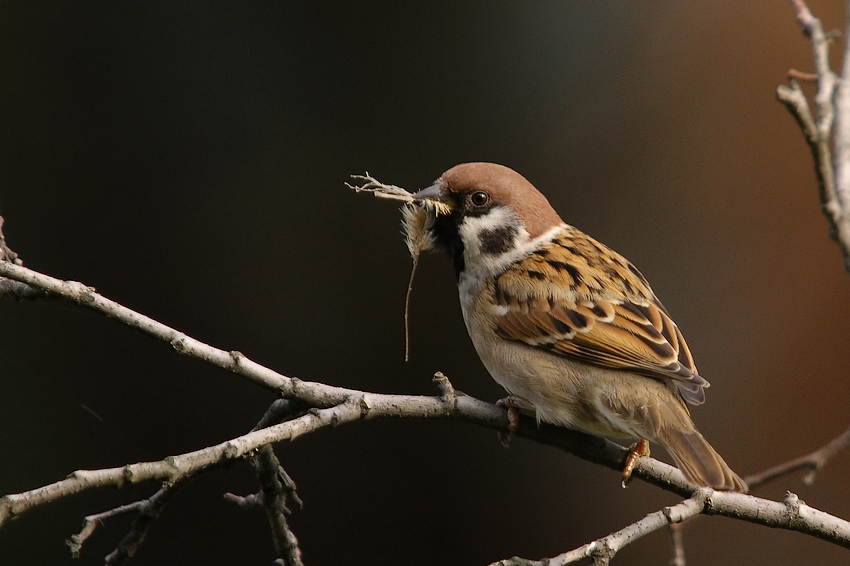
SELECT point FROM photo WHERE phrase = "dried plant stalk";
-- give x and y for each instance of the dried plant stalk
(415, 216)
(392, 192)
(418, 239)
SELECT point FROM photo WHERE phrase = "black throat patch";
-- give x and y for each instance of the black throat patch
(445, 232)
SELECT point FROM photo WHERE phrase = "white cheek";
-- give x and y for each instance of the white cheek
(473, 227)
(498, 217)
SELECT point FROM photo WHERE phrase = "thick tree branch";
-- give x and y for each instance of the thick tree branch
(333, 406)
(842, 145)
(276, 488)
(232, 361)
(366, 406)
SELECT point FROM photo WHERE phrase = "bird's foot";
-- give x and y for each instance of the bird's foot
(636, 451)
(513, 404)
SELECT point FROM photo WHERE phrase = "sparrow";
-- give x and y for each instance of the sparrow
(567, 326)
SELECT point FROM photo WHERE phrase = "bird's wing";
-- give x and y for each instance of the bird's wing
(577, 298)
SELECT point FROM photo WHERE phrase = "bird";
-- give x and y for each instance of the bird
(567, 326)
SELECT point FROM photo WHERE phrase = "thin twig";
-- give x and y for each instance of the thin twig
(147, 511)
(677, 543)
(233, 361)
(250, 501)
(603, 550)
(802, 76)
(813, 462)
(91, 522)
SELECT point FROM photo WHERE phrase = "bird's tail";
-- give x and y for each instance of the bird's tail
(699, 462)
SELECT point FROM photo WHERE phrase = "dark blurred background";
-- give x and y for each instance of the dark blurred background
(187, 159)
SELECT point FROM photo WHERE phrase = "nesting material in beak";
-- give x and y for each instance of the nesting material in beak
(417, 214)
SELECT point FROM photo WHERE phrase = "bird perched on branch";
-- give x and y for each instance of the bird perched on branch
(569, 327)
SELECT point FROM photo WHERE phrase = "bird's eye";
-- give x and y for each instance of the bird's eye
(479, 198)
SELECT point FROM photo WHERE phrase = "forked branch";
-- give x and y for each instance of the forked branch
(829, 126)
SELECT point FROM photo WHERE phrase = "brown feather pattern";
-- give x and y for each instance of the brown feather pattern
(619, 325)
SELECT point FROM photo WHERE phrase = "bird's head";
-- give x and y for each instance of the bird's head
(493, 213)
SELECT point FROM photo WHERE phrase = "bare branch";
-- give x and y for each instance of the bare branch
(334, 406)
(91, 522)
(232, 361)
(678, 544)
(802, 76)
(791, 514)
(368, 406)
(842, 152)
(833, 174)
(174, 468)
(276, 488)
(603, 550)
(147, 510)
(14, 289)
(820, 53)
(813, 462)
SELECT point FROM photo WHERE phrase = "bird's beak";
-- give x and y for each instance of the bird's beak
(435, 192)
(436, 198)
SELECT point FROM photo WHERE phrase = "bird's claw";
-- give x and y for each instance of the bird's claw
(636, 451)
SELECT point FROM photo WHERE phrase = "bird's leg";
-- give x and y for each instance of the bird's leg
(513, 404)
(636, 450)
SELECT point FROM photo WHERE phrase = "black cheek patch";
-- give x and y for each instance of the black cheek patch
(498, 240)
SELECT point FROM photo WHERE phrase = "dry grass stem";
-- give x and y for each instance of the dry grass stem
(415, 215)
(379, 189)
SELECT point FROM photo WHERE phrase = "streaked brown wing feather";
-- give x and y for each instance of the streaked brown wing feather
(617, 324)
